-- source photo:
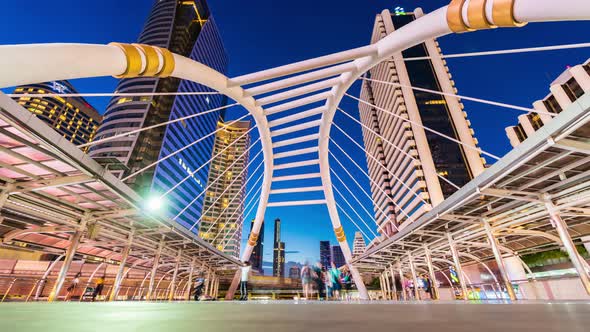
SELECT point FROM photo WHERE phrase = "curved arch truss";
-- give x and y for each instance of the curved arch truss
(279, 99)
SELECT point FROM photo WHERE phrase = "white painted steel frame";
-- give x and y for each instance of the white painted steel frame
(37, 63)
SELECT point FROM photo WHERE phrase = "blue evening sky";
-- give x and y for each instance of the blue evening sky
(264, 33)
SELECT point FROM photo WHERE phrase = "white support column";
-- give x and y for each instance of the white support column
(433, 284)
(414, 276)
(71, 251)
(189, 284)
(207, 282)
(568, 243)
(393, 286)
(174, 276)
(382, 286)
(388, 297)
(458, 267)
(499, 260)
(121, 271)
(154, 270)
(401, 279)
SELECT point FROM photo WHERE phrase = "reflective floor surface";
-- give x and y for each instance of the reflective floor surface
(291, 316)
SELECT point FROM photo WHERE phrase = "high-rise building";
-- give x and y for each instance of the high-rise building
(572, 84)
(358, 245)
(325, 253)
(72, 117)
(186, 28)
(406, 166)
(257, 252)
(222, 218)
(295, 272)
(278, 262)
(338, 257)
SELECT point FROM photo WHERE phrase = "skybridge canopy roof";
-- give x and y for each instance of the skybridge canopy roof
(554, 161)
(53, 184)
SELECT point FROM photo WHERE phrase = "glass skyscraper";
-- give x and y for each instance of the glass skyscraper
(186, 28)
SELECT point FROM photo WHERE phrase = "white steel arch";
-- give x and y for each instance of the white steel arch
(323, 79)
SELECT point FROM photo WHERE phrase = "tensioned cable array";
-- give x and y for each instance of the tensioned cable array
(228, 187)
(209, 161)
(393, 145)
(478, 100)
(508, 51)
(382, 166)
(216, 179)
(354, 210)
(112, 94)
(106, 139)
(367, 175)
(244, 198)
(249, 210)
(471, 147)
(183, 148)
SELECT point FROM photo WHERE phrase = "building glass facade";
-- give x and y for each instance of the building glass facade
(186, 28)
(221, 221)
(409, 166)
(72, 117)
(325, 253)
(257, 252)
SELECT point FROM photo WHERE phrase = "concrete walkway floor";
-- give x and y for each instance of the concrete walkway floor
(285, 316)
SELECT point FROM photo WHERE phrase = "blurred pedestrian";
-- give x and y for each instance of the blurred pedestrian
(244, 281)
(334, 276)
(99, 287)
(346, 279)
(318, 278)
(306, 280)
(72, 288)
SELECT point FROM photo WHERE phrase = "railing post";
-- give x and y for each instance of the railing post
(8, 290)
(70, 253)
(394, 287)
(499, 260)
(458, 267)
(568, 243)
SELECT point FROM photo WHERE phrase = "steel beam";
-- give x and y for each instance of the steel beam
(154, 270)
(414, 276)
(433, 283)
(567, 241)
(121, 271)
(71, 251)
(458, 267)
(499, 260)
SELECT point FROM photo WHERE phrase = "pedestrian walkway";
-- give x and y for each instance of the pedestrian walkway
(286, 316)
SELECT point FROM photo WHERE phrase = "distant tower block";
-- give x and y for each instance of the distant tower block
(358, 246)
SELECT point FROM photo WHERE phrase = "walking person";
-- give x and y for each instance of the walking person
(98, 289)
(199, 289)
(427, 286)
(347, 284)
(318, 278)
(244, 281)
(334, 276)
(72, 288)
(306, 281)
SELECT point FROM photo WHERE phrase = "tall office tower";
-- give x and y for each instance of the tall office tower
(257, 252)
(404, 187)
(278, 261)
(338, 256)
(223, 208)
(72, 117)
(571, 85)
(358, 245)
(186, 28)
(325, 253)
